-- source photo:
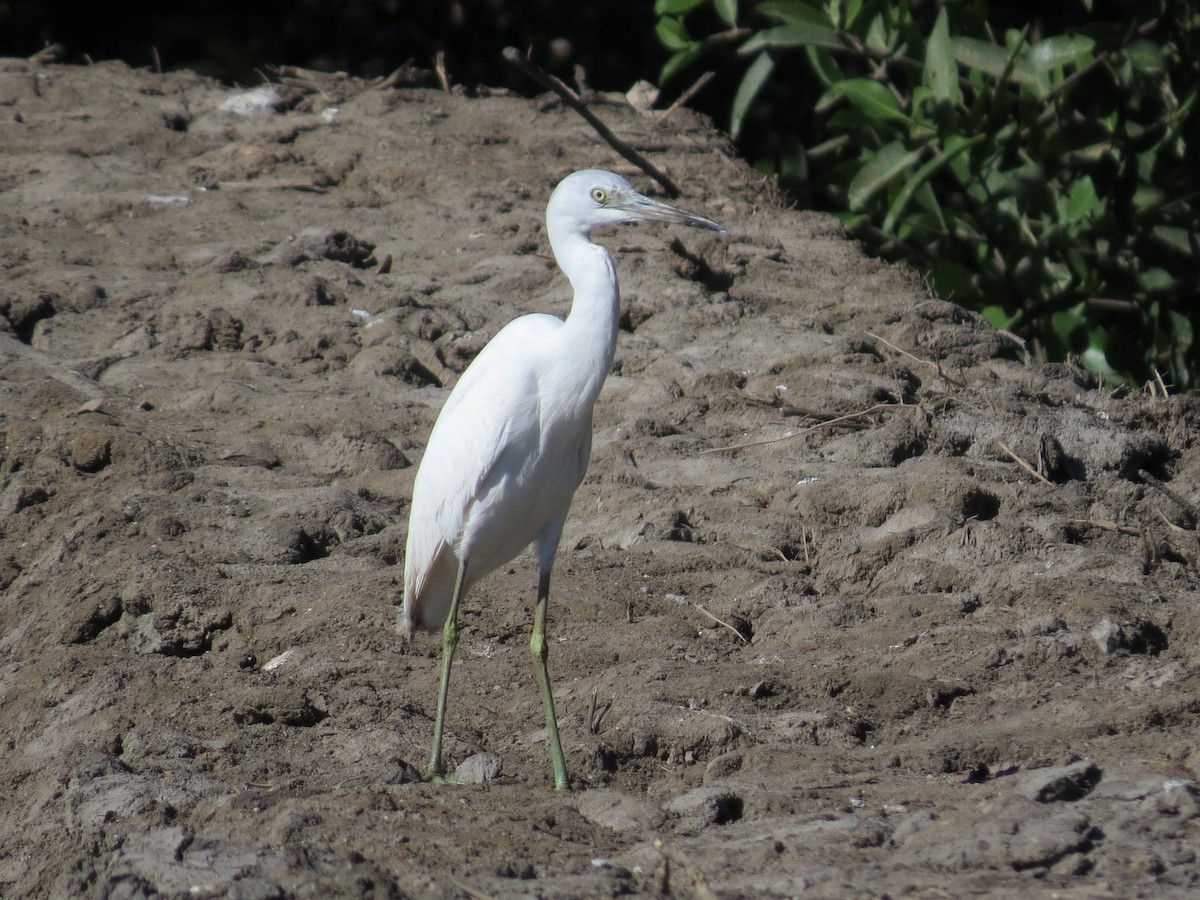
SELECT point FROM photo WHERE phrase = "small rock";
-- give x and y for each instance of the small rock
(139, 340)
(478, 769)
(1062, 783)
(723, 766)
(618, 811)
(1108, 636)
(91, 451)
(262, 100)
(706, 806)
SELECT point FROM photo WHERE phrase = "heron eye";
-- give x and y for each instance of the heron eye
(599, 195)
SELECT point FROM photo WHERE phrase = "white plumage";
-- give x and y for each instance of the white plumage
(512, 443)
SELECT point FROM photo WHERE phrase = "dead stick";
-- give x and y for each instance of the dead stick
(796, 434)
(1024, 465)
(47, 54)
(513, 56)
(1109, 526)
(439, 65)
(265, 184)
(890, 345)
(686, 96)
(11, 348)
(741, 637)
(1181, 502)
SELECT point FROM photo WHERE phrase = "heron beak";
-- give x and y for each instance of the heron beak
(639, 207)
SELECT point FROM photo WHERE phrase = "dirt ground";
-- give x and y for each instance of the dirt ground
(815, 629)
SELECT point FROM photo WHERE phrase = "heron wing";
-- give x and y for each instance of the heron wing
(490, 419)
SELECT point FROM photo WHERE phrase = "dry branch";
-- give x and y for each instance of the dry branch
(1024, 465)
(803, 431)
(569, 97)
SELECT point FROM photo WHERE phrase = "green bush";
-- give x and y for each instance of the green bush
(1049, 181)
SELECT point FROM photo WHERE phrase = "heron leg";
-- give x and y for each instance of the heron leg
(540, 651)
(449, 643)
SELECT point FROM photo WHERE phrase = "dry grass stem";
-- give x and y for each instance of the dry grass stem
(439, 66)
(1024, 465)
(741, 637)
(513, 56)
(1109, 526)
(687, 95)
(795, 434)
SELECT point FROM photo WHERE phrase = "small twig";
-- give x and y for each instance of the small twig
(1162, 387)
(1108, 526)
(308, 80)
(1024, 465)
(1176, 528)
(391, 80)
(741, 637)
(273, 185)
(470, 891)
(1188, 507)
(157, 60)
(597, 713)
(439, 66)
(47, 54)
(584, 91)
(1016, 339)
(935, 364)
(513, 56)
(775, 551)
(686, 96)
(699, 883)
(10, 348)
(803, 431)
(890, 345)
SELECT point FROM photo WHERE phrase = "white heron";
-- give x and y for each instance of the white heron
(512, 443)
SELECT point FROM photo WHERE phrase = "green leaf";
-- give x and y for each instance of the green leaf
(752, 82)
(673, 34)
(727, 10)
(674, 7)
(799, 35)
(1063, 50)
(826, 147)
(992, 59)
(1146, 56)
(858, 127)
(850, 221)
(1157, 280)
(872, 98)
(679, 61)
(1000, 320)
(879, 34)
(953, 281)
(793, 12)
(824, 64)
(890, 161)
(922, 175)
(1181, 329)
(941, 71)
(1070, 329)
(1081, 201)
(1177, 239)
(1096, 362)
(925, 198)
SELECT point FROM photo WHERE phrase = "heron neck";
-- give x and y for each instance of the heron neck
(596, 309)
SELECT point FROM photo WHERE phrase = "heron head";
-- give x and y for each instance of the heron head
(593, 198)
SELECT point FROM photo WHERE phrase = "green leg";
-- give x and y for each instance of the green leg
(449, 643)
(537, 646)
